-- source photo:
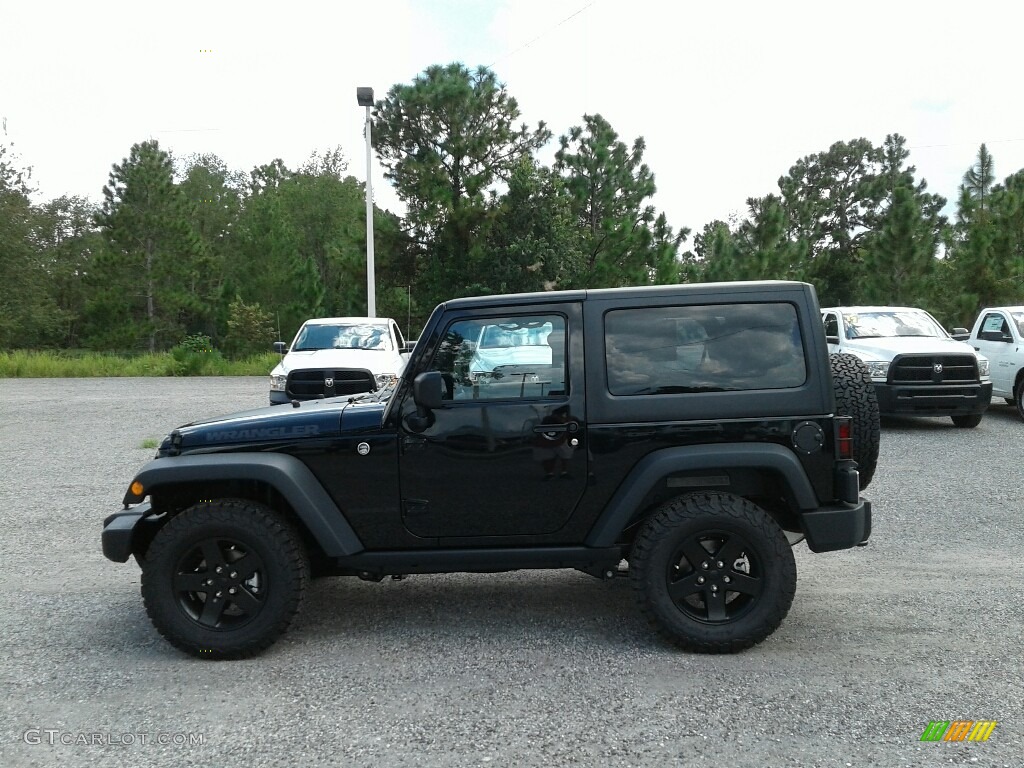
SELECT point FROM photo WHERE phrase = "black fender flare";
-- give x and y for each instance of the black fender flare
(286, 474)
(654, 466)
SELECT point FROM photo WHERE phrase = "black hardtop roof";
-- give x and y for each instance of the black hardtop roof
(643, 291)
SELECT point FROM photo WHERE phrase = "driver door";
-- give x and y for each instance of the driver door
(506, 454)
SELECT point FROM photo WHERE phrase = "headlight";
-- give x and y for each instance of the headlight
(982, 367)
(879, 368)
(278, 382)
(384, 379)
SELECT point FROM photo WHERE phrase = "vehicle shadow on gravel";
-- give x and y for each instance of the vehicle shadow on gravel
(924, 424)
(468, 605)
(997, 411)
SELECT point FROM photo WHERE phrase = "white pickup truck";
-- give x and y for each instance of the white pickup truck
(998, 334)
(917, 368)
(335, 356)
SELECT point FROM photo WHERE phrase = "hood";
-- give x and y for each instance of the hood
(377, 361)
(315, 419)
(887, 348)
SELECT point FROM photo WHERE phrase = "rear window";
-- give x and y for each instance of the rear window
(703, 348)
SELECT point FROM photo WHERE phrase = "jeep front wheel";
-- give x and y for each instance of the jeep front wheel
(855, 397)
(713, 572)
(224, 579)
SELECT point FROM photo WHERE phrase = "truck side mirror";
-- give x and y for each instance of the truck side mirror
(961, 334)
(280, 348)
(831, 339)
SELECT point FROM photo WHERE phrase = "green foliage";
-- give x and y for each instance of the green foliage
(151, 275)
(29, 316)
(623, 243)
(533, 243)
(444, 141)
(194, 356)
(197, 249)
(979, 177)
(985, 248)
(197, 343)
(250, 329)
(63, 364)
(149, 443)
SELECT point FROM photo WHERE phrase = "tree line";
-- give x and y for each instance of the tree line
(184, 247)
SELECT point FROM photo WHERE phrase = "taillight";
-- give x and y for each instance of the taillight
(844, 437)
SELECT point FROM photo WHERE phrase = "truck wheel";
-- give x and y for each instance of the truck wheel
(855, 396)
(1019, 398)
(224, 579)
(712, 572)
(969, 421)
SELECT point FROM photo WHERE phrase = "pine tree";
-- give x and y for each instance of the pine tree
(611, 185)
(149, 275)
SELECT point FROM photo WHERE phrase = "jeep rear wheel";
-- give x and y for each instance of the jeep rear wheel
(855, 397)
(713, 572)
(224, 579)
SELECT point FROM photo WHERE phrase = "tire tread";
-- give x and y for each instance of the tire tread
(644, 566)
(281, 535)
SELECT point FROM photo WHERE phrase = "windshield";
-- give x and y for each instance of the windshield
(342, 336)
(886, 324)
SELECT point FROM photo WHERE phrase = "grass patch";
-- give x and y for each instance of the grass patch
(150, 443)
(76, 364)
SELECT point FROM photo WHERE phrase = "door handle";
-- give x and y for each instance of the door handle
(572, 427)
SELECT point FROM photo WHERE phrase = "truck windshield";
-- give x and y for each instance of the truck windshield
(340, 336)
(886, 324)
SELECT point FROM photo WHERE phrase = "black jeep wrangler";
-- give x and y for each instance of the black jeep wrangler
(684, 436)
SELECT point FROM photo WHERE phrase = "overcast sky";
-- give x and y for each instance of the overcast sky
(728, 95)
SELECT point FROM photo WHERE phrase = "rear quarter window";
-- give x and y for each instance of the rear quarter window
(703, 348)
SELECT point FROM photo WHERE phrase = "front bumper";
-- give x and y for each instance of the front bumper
(934, 399)
(128, 532)
(840, 526)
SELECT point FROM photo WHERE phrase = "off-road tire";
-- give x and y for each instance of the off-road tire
(968, 421)
(1018, 398)
(674, 589)
(262, 559)
(855, 397)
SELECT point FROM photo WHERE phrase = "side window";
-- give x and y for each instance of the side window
(994, 327)
(704, 348)
(398, 337)
(831, 325)
(503, 358)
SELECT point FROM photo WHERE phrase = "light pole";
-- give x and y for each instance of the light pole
(365, 98)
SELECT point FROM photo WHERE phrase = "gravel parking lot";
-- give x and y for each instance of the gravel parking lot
(527, 668)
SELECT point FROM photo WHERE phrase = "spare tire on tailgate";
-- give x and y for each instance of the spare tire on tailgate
(855, 397)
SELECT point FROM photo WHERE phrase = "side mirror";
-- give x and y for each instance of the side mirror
(832, 339)
(427, 389)
(409, 346)
(280, 348)
(961, 334)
